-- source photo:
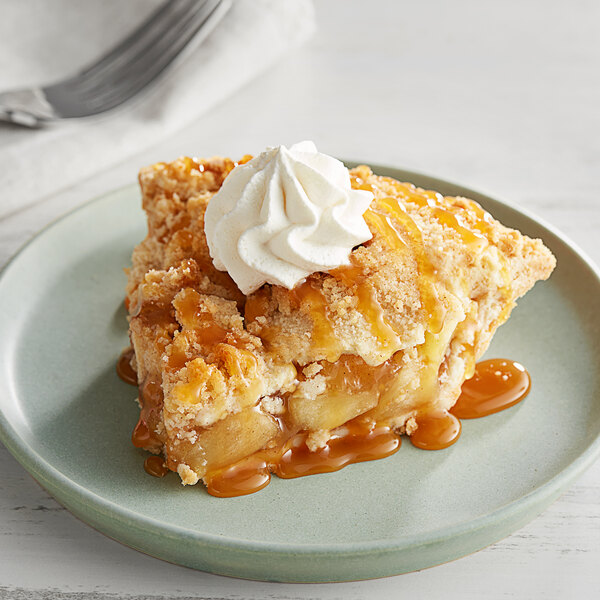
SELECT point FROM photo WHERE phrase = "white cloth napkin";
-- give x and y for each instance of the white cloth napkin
(59, 35)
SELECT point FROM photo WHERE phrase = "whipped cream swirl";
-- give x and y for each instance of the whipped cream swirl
(283, 215)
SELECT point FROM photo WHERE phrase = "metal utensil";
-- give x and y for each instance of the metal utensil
(121, 73)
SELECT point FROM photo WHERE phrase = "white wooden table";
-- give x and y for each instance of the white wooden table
(500, 96)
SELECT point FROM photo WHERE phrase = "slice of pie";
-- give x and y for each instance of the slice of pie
(223, 376)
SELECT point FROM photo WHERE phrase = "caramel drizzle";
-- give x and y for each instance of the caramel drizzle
(475, 240)
(357, 441)
(248, 476)
(381, 215)
(151, 401)
(446, 213)
(124, 369)
(306, 297)
(484, 219)
(256, 305)
(368, 305)
(484, 225)
(381, 222)
(449, 214)
(354, 442)
(392, 210)
(229, 345)
(160, 317)
(434, 312)
(192, 317)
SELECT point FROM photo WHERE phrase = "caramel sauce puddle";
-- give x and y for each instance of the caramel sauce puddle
(155, 466)
(249, 475)
(354, 442)
(496, 384)
(436, 430)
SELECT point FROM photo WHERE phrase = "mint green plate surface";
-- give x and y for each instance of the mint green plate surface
(67, 418)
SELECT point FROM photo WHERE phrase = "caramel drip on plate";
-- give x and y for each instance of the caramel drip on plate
(354, 442)
(141, 436)
(436, 430)
(155, 466)
(151, 400)
(124, 369)
(245, 477)
(496, 384)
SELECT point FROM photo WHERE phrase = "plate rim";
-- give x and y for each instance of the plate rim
(44, 471)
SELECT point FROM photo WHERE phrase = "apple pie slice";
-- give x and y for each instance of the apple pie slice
(233, 383)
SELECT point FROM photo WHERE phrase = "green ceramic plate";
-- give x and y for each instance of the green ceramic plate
(67, 418)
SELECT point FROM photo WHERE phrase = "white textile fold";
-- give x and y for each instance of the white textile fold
(37, 163)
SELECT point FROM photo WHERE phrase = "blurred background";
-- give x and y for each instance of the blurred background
(499, 96)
